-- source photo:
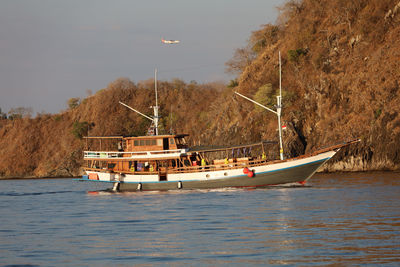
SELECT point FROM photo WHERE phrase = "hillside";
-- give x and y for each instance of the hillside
(51, 145)
(341, 75)
(340, 81)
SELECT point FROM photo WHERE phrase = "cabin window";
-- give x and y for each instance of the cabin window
(171, 141)
(136, 142)
(151, 142)
(159, 142)
(142, 142)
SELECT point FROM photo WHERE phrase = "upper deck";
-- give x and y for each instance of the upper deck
(140, 147)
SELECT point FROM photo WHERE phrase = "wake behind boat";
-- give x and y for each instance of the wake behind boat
(166, 162)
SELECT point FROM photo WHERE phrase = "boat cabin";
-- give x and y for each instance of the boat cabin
(137, 143)
(155, 143)
(136, 155)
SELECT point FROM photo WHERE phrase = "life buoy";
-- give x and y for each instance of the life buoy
(246, 170)
(250, 173)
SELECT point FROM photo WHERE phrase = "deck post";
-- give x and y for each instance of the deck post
(115, 187)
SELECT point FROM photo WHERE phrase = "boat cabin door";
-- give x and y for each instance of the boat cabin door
(165, 144)
(162, 171)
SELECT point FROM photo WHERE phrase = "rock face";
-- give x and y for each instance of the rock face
(341, 73)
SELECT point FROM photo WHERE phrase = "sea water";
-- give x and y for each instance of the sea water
(336, 219)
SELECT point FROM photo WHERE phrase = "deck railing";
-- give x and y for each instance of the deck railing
(138, 154)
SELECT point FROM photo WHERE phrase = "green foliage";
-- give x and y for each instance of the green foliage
(294, 55)
(377, 113)
(233, 83)
(79, 129)
(265, 96)
(100, 91)
(57, 117)
(73, 102)
(288, 98)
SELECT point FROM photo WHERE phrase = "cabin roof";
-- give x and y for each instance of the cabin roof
(103, 137)
(157, 136)
(138, 137)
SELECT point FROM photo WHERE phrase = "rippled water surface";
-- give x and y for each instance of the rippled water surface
(337, 219)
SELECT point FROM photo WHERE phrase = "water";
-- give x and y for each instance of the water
(338, 219)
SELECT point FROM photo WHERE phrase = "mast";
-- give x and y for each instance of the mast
(278, 108)
(155, 108)
(156, 117)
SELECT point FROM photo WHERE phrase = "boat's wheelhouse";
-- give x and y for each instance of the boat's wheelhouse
(155, 143)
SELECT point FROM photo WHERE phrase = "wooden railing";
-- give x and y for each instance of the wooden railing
(126, 155)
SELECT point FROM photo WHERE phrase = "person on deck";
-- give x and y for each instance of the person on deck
(120, 146)
(203, 163)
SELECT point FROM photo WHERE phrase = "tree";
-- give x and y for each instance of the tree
(264, 37)
(3, 116)
(73, 102)
(20, 112)
(79, 129)
(240, 60)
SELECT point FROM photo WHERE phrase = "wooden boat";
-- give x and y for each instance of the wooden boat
(166, 162)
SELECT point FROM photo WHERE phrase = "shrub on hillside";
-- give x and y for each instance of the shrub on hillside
(79, 129)
(265, 96)
(73, 102)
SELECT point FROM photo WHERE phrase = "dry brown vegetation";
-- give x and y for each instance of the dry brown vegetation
(51, 145)
(341, 70)
(340, 80)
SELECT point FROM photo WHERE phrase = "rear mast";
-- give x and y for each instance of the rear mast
(156, 107)
(278, 111)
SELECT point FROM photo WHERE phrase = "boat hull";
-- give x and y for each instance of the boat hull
(281, 172)
(297, 174)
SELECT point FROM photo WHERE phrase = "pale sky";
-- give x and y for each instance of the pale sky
(53, 50)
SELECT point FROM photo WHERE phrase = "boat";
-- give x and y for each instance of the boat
(166, 161)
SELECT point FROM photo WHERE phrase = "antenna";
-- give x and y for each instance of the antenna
(278, 108)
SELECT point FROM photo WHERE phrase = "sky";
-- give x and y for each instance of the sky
(53, 50)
